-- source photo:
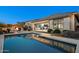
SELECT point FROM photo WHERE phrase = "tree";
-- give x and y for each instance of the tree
(9, 25)
(21, 23)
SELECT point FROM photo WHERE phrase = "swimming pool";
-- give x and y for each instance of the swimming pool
(26, 44)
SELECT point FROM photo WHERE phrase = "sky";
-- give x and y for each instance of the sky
(14, 14)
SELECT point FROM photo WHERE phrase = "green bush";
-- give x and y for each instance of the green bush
(49, 30)
(57, 31)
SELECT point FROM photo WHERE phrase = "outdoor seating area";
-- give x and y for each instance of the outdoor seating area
(12, 29)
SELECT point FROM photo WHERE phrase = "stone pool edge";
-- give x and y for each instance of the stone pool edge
(64, 39)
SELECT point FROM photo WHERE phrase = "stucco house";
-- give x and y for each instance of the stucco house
(63, 21)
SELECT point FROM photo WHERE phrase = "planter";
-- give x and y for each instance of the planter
(58, 35)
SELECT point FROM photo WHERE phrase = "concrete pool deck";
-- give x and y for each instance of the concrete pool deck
(1, 43)
(62, 39)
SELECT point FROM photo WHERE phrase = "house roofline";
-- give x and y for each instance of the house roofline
(54, 16)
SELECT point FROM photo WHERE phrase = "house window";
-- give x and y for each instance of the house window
(58, 24)
(41, 26)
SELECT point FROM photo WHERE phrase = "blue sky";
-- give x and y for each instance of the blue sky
(13, 14)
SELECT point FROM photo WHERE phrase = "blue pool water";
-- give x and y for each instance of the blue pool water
(27, 45)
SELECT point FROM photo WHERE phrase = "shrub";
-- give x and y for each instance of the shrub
(49, 30)
(57, 31)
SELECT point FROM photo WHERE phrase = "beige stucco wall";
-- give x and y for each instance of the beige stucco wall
(51, 24)
(68, 23)
(72, 22)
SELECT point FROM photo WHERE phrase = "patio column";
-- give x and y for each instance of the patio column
(72, 24)
(33, 27)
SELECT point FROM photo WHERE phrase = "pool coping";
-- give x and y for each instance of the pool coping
(1, 43)
(62, 39)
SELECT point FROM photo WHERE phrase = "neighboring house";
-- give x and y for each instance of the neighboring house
(14, 26)
(63, 21)
(28, 23)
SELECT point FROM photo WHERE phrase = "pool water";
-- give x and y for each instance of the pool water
(27, 45)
